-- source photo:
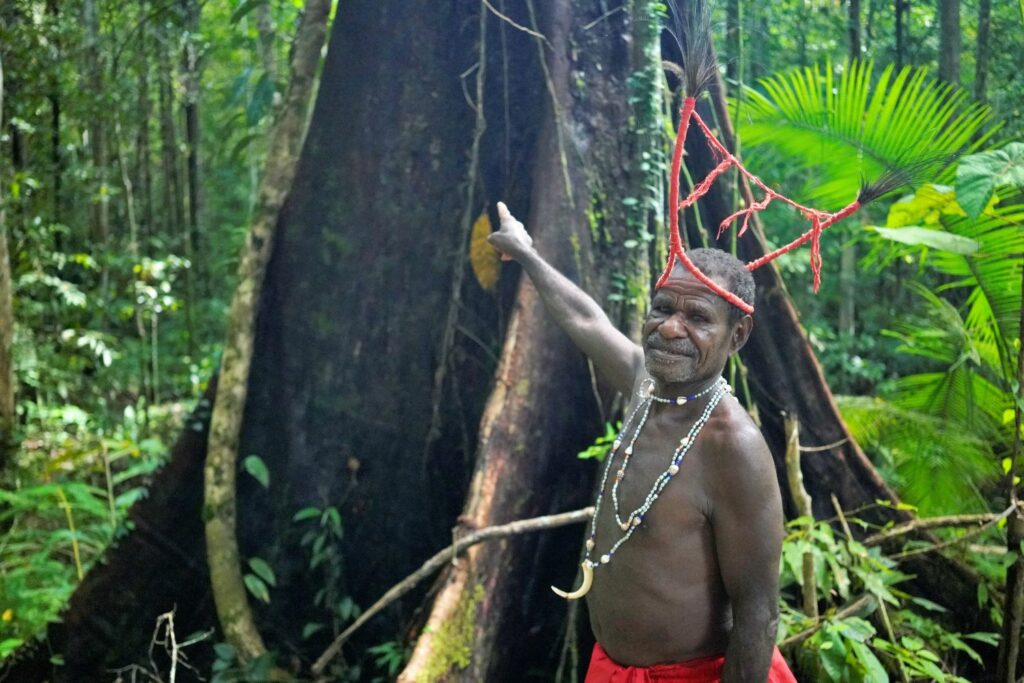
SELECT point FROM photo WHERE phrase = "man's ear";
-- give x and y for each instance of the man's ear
(741, 333)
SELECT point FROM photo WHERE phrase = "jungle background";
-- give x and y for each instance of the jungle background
(179, 203)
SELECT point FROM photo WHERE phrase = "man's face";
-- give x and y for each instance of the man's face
(688, 335)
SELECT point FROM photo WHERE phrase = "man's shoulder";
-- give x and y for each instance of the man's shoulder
(734, 448)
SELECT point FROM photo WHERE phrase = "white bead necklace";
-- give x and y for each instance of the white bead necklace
(630, 524)
(647, 393)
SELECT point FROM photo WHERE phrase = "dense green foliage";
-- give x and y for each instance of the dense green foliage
(133, 135)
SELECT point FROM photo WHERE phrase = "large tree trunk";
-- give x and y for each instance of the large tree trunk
(495, 603)
(352, 332)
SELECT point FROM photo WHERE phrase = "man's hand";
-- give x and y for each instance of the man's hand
(617, 358)
(511, 240)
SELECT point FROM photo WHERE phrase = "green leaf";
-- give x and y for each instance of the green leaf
(9, 645)
(306, 513)
(857, 629)
(926, 207)
(255, 466)
(311, 628)
(927, 604)
(244, 8)
(224, 651)
(847, 124)
(926, 237)
(912, 643)
(873, 669)
(260, 567)
(257, 587)
(978, 175)
(347, 609)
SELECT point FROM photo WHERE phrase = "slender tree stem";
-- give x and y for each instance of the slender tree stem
(233, 611)
(1013, 607)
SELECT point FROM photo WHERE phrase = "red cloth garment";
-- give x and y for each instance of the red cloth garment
(702, 670)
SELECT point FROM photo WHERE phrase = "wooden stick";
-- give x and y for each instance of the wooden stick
(932, 523)
(850, 609)
(440, 559)
(971, 534)
(802, 500)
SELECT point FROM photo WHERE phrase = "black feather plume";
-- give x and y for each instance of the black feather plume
(690, 27)
(910, 174)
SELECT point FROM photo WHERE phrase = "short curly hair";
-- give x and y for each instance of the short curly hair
(729, 271)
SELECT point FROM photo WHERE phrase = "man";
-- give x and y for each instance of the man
(693, 594)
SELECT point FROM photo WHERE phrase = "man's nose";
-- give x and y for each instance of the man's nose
(673, 327)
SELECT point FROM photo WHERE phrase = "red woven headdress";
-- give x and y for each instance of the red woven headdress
(693, 35)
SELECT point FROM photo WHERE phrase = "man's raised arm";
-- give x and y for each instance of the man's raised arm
(616, 357)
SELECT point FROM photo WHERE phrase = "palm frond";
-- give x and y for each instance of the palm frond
(958, 396)
(933, 464)
(992, 270)
(850, 129)
(972, 390)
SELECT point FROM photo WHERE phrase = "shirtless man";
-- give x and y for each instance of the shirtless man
(699, 576)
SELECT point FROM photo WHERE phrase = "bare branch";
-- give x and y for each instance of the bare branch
(443, 556)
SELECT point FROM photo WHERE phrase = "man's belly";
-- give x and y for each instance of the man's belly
(660, 602)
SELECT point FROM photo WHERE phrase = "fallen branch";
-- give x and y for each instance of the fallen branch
(857, 605)
(939, 546)
(925, 523)
(440, 559)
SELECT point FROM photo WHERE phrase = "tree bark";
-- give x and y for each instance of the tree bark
(175, 225)
(289, 131)
(853, 29)
(56, 159)
(7, 407)
(195, 276)
(983, 50)
(1013, 609)
(900, 8)
(477, 628)
(848, 260)
(734, 39)
(97, 137)
(949, 41)
(143, 160)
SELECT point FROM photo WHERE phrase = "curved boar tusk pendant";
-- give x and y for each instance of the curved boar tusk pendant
(588, 580)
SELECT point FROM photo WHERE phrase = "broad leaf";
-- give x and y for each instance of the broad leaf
(261, 569)
(257, 587)
(925, 237)
(978, 175)
(255, 466)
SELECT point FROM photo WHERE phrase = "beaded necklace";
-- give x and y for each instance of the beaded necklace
(632, 521)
